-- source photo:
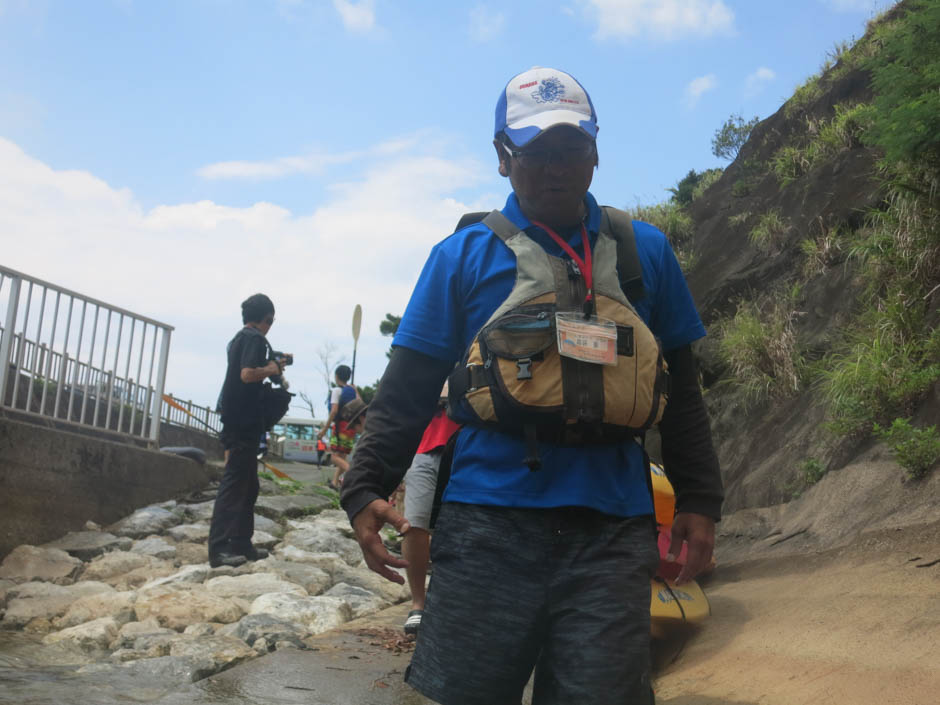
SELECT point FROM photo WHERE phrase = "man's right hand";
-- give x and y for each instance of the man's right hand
(366, 525)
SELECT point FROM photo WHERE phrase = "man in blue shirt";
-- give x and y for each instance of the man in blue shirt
(546, 569)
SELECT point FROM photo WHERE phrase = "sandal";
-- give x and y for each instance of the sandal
(413, 621)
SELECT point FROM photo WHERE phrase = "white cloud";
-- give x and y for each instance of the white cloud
(356, 16)
(660, 19)
(275, 168)
(699, 87)
(756, 81)
(191, 264)
(485, 24)
(312, 163)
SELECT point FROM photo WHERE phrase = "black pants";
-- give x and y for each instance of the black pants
(233, 516)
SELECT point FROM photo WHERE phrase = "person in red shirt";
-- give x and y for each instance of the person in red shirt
(420, 486)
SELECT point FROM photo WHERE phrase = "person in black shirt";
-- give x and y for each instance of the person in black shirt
(242, 426)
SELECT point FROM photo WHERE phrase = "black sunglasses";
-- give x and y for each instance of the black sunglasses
(537, 158)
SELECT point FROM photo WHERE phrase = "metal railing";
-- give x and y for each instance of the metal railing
(74, 358)
(184, 413)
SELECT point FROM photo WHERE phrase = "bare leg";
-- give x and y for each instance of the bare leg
(342, 465)
(416, 549)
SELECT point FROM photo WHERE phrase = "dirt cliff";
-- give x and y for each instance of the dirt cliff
(818, 206)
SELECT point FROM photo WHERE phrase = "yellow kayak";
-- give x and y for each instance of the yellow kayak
(672, 606)
(664, 497)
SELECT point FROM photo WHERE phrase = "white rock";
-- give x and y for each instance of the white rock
(46, 601)
(140, 576)
(130, 633)
(85, 545)
(155, 546)
(318, 614)
(264, 539)
(361, 576)
(336, 520)
(200, 629)
(146, 521)
(27, 563)
(222, 651)
(249, 587)
(5, 587)
(176, 608)
(312, 579)
(322, 539)
(194, 533)
(362, 602)
(201, 511)
(117, 605)
(89, 636)
(115, 563)
(188, 574)
(268, 526)
(325, 560)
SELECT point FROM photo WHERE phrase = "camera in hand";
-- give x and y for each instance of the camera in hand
(286, 358)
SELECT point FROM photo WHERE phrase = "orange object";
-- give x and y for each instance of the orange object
(280, 474)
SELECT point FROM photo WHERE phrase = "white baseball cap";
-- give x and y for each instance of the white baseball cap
(539, 99)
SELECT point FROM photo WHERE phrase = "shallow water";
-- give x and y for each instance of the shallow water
(32, 673)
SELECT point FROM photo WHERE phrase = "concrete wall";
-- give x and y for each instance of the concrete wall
(53, 481)
(181, 436)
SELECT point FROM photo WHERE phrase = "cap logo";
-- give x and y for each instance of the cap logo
(551, 90)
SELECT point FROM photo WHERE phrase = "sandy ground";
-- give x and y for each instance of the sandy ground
(856, 625)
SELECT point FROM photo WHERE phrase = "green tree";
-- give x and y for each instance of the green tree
(388, 328)
(731, 136)
(682, 192)
(367, 392)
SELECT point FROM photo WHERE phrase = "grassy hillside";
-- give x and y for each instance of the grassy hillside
(815, 259)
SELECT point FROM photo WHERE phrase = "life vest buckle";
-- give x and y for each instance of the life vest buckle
(525, 368)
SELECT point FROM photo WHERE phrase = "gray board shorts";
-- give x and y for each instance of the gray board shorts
(420, 484)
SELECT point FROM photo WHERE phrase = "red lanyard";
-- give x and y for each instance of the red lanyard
(584, 265)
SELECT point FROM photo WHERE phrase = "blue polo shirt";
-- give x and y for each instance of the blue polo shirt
(465, 279)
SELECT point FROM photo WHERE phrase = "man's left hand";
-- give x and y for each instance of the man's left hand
(698, 531)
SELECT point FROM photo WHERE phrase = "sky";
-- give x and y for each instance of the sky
(174, 157)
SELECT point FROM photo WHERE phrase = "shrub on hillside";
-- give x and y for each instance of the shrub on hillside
(878, 376)
(759, 345)
(905, 114)
(769, 232)
(916, 449)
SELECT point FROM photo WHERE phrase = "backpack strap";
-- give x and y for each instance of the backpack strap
(613, 220)
(469, 219)
(629, 270)
(500, 224)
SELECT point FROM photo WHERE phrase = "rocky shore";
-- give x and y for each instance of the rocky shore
(137, 603)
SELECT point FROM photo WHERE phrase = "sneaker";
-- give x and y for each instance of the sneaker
(413, 621)
(233, 560)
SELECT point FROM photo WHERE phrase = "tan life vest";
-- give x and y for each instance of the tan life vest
(512, 377)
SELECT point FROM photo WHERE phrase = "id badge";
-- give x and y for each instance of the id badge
(591, 339)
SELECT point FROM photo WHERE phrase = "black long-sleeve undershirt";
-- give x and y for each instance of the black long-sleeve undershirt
(404, 403)
(689, 457)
